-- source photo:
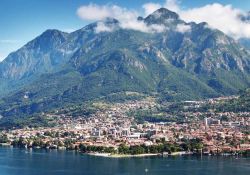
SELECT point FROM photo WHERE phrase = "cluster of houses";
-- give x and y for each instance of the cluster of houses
(112, 127)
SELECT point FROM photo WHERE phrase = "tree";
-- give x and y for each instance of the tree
(123, 149)
(4, 138)
(137, 150)
(83, 148)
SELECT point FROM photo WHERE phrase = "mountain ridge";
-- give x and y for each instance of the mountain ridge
(186, 61)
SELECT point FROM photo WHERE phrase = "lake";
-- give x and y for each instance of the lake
(53, 162)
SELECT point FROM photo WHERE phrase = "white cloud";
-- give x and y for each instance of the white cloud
(158, 28)
(182, 28)
(172, 5)
(223, 17)
(94, 12)
(127, 18)
(102, 27)
(150, 8)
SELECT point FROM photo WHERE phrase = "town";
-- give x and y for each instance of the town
(112, 131)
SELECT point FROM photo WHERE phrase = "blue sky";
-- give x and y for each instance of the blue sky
(23, 20)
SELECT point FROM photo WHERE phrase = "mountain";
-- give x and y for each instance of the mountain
(45, 54)
(239, 104)
(174, 61)
(42, 55)
(38, 56)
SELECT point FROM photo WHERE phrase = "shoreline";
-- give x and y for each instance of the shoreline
(116, 155)
(109, 155)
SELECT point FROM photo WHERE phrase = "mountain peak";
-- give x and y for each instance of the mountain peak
(52, 32)
(110, 21)
(106, 21)
(165, 13)
(161, 15)
(48, 39)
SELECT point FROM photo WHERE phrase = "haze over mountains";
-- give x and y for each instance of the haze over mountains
(171, 59)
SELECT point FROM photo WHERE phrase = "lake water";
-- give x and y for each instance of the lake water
(52, 162)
